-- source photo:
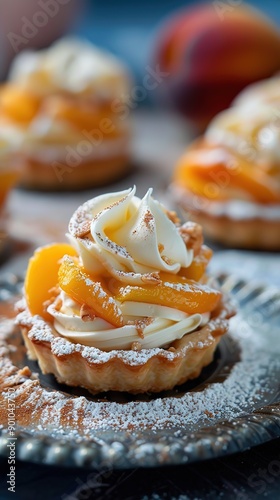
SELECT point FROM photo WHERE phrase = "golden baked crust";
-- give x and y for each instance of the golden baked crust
(146, 370)
(256, 234)
(250, 233)
(39, 175)
(39, 407)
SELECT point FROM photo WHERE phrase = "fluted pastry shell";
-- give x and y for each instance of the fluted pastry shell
(253, 232)
(256, 234)
(249, 232)
(134, 371)
(39, 175)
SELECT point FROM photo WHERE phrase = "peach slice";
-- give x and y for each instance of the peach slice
(214, 179)
(17, 104)
(89, 290)
(42, 275)
(198, 266)
(83, 116)
(174, 291)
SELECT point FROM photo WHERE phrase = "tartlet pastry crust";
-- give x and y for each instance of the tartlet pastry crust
(146, 370)
(249, 233)
(42, 176)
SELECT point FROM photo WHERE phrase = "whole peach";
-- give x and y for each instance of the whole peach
(212, 54)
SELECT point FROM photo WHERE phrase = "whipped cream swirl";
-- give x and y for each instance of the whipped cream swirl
(71, 65)
(160, 325)
(127, 237)
(122, 236)
(251, 124)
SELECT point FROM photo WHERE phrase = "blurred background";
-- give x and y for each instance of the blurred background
(210, 54)
(137, 33)
(128, 29)
(210, 51)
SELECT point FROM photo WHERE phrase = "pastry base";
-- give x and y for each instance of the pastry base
(43, 176)
(250, 234)
(147, 370)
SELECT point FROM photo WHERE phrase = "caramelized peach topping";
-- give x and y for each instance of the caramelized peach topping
(173, 291)
(17, 104)
(198, 266)
(99, 296)
(206, 173)
(88, 290)
(41, 276)
(84, 116)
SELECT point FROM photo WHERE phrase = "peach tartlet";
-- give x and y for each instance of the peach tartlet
(127, 304)
(229, 180)
(61, 100)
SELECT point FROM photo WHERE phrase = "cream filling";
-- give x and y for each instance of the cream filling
(264, 92)
(73, 66)
(48, 141)
(233, 209)
(251, 132)
(128, 237)
(166, 325)
(243, 210)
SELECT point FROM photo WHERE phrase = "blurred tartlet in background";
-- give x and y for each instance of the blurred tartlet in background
(211, 52)
(9, 175)
(9, 169)
(63, 101)
(229, 179)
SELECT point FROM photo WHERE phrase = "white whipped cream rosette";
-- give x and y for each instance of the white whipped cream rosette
(252, 132)
(251, 126)
(71, 65)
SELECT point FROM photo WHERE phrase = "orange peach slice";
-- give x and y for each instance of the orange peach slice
(88, 290)
(198, 266)
(215, 180)
(81, 116)
(42, 276)
(18, 105)
(174, 291)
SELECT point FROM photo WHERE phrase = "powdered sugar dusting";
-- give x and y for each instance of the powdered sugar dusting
(245, 387)
(41, 331)
(60, 347)
(227, 400)
(251, 382)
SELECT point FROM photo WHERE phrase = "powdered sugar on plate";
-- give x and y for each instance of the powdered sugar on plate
(250, 383)
(247, 386)
(243, 389)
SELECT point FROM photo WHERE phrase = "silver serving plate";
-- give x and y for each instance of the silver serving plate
(254, 338)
